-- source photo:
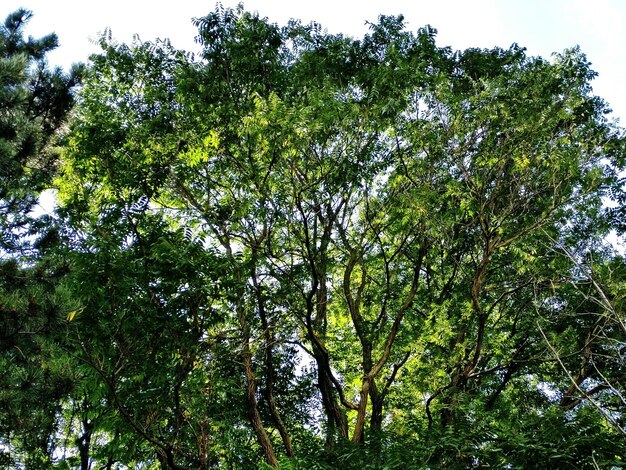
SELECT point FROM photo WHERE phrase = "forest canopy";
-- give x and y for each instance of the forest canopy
(297, 249)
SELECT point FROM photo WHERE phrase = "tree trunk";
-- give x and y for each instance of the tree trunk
(376, 420)
(84, 444)
(251, 389)
(359, 426)
(269, 366)
(337, 421)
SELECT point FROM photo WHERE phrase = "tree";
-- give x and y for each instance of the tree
(34, 102)
(308, 249)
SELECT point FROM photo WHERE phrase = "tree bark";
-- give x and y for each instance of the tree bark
(84, 444)
(268, 336)
(359, 426)
(376, 418)
(336, 419)
(251, 390)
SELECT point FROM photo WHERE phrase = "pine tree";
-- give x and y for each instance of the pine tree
(34, 102)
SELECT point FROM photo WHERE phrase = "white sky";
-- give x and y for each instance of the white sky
(542, 26)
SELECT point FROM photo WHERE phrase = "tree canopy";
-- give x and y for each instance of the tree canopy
(304, 250)
(34, 103)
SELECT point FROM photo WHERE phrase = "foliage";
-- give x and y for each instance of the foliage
(304, 250)
(34, 102)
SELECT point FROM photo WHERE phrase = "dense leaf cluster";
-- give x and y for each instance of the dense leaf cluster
(34, 103)
(302, 250)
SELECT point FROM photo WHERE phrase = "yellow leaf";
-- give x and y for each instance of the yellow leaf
(73, 313)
